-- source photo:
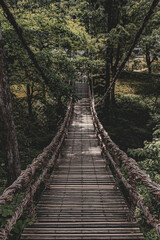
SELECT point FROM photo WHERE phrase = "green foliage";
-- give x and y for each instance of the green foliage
(71, 39)
(7, 210)
(128, 120)
(149, 156)
(55, 37)
(152, 235)
(134, 117)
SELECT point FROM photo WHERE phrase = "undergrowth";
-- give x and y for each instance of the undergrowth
(134, 124)
(34, 133)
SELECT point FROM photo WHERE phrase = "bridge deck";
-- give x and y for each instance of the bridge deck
(82, 201)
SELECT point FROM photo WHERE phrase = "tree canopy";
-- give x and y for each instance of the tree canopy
(47, 45)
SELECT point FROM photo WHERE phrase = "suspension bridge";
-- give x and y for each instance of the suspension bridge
(82, 198)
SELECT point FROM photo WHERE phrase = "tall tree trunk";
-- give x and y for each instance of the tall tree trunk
(29, 88)
(44, 92)
(114, 69)
(29, 101)
(13, 166)
(108, 57)
(107, 100)
(148, 60)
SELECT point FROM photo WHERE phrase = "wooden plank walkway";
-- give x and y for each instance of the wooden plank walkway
(82, 201)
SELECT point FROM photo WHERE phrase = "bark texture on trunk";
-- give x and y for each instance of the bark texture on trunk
(13, 166)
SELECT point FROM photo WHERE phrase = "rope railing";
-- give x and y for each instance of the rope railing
(26, 183)
(116, 156)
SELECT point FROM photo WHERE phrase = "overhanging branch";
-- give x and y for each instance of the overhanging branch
(137, 37)
(19, 32)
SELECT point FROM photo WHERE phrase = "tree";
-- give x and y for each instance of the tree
(150, 38)
(150, 46)
(111, 18)
(12, 159)
(132, 46)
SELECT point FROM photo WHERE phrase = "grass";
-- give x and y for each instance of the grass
(137, 83)
(130, 120)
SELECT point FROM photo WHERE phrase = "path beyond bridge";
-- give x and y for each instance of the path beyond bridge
(82, 200)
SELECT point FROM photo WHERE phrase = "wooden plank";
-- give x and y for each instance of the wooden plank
(106, 235)
(82, 200)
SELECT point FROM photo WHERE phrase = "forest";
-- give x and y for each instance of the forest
(45, 46)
